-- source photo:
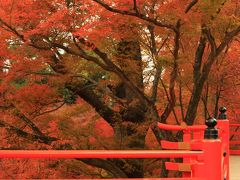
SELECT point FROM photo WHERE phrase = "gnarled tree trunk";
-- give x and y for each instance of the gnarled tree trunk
(133, 116)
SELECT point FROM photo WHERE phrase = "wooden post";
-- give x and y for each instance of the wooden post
(213, 156)
(223, 126)
(212, 159)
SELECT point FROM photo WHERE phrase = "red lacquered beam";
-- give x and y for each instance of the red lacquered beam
(235, 152)
(235, 133)
(183, 167)
(234, 125)
(193, 145)
(234, 142)
(98, 154)
(181, 128)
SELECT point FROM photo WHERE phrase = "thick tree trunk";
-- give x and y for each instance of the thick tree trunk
(128, 122)
(133, 116)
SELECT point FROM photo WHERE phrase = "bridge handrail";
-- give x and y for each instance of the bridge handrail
(181, 128)
(90, 154)
(197, 132)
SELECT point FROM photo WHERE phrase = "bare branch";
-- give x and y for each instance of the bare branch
(227, 39)
(135, 6)
(181, 99)
(215, 51)
(107, 165)
(21, 133)
(52, 110)
(210, 39)
(173, 75)
(198, 86)
(198, 58)
(135, 14)
(155, 52)
(28, 122)
(83, 55)
(190, 5)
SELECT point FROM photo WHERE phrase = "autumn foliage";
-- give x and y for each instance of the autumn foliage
(99, 74)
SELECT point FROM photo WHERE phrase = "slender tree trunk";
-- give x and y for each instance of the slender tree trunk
(217, 97)
(181, 100)
(193, 103)
(205, 103)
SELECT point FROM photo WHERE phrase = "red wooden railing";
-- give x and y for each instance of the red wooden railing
(193, 139)
(208, 157)
(91, 154)
(234, 133)
(204, 150)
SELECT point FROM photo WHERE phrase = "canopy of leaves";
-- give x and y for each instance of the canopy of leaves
(98, 74)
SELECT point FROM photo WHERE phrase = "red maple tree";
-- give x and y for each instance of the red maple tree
(99, 74)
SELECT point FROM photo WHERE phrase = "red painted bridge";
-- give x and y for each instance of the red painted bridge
(205, 151)
(235, 153)
(234, 167)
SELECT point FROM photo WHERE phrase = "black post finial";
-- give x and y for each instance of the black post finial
(211, 132)
(222, 114)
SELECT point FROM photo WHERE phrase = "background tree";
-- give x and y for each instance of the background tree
(134, 62)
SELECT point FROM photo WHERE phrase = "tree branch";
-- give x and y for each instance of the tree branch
(12, 29)
(227, 39)
(28, 122)
(190, 5)
(107, 165)
(52, 110)
(215, 51)
(114, 68)
(198, 58)
(21, 133)
(95, 100)
(135, 14)
(83, 55)
(198, 86)
(135, 6)
(210, 39)
(154, 51)
(173, 75)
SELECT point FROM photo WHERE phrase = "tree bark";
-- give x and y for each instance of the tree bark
(133, 117)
